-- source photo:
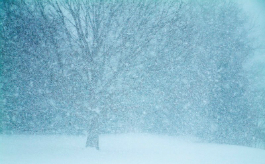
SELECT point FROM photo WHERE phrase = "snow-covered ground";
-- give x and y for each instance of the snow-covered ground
(122, 149)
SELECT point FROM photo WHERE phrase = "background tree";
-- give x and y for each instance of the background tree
(229, 102)
(28, 54)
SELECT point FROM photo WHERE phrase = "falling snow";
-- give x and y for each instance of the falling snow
(102, 68)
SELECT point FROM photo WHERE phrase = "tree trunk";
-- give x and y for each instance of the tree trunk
(93, 134)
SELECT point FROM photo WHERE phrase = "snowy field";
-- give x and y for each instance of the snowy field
(122, 149)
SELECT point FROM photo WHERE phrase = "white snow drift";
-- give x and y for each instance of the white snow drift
(122, 149)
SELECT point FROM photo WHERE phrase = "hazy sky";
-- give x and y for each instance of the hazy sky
(256, 12)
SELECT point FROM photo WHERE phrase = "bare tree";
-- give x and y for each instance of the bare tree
(108, 39)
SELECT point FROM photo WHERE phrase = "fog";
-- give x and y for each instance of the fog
(178, 68)
(256, 11)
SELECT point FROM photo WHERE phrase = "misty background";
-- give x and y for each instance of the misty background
(193, 68)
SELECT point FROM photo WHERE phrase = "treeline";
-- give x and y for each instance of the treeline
(168, 67)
